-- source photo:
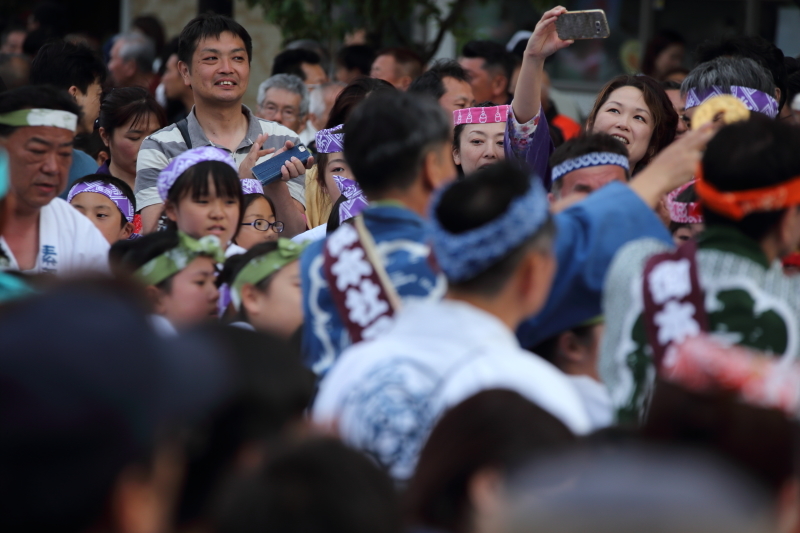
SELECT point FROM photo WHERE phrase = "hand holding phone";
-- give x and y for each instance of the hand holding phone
(574, 25)
(270, 170)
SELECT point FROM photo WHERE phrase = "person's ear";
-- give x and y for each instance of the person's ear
(456, 156)
(485, 489)
(102, 157)
(778, 95)
(250, 299)
(104, 135)
(499, 85)
(405, 82)
(171, 210)
(156, 298)
(74, 92)
(570, 350)
(184, 71)
(125, 232)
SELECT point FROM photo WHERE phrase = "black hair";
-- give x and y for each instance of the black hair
(32, 97)
(152, 28)
(210, 25)
(432, 81)
(408, 61)
(91, 143)
(250, 198)
(497, 429)
(291, 61)
(124, 103)
(270, 389)
(357, 56)
(116, 182)
(235, 263)
(548, 348)
(388, 136)
(670, 85)
(660, 42)
(756, 153)
(320, 485)
(792, 77)
(756, 48)
(494, 54)
(585, 144)
(195, 180)
(352, 95)
(479, 199)
(126, 257)
(64, 64)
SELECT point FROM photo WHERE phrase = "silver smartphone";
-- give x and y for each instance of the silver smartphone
(574, 25)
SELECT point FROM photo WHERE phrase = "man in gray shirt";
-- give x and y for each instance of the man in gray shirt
(214, 60)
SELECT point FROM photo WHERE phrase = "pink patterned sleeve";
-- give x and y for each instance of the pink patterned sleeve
(520, 135)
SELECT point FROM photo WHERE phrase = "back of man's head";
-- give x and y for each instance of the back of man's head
(753, 154)
(408, 62)
(356, 57)
(754, 47)
(65, 65)
(728, 71)
(495, 196)
(495, 55)
(388, 136)
(138, 48)
(291, 62)
(35, 97)
(583, 145)
(631, 489)
(210, 26)
(317, 486)
(432, 81)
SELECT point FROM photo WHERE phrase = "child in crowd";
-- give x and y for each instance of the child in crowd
(202, 195)
(179, 273)
(258, 222)
(686, 219)
(265, 287)
(108, 202)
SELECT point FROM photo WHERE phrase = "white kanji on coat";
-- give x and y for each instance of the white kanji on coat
(670, 280)
(342, 238)
(350, 268)
(676, 322)
(364, 303)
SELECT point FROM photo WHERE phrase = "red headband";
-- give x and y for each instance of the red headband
(737, 205)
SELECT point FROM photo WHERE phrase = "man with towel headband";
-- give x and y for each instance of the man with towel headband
(728, 282)
(43, 233)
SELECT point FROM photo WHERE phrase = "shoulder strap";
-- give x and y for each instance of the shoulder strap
(674, 303)
(360, 287)
(183, 127)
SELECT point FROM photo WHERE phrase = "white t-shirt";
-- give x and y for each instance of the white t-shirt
(68, 243)
(384, 396)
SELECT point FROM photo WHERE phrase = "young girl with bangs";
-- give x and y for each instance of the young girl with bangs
(202, 195)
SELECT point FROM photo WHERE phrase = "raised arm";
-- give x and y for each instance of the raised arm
(543, 43)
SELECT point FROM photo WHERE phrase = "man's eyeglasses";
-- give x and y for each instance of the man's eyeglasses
(262, 224)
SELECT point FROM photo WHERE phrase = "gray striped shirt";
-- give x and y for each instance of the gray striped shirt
(163, 146)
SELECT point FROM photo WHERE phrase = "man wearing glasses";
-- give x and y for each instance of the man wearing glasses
(284, 98)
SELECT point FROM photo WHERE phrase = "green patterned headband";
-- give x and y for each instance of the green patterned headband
(265, 265)
(173, 261)
(41, 117)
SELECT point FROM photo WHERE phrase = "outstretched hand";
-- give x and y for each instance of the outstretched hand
(544, 41)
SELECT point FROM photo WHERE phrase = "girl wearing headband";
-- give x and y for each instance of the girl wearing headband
(202, 195)
(179, 274)
(265, 287)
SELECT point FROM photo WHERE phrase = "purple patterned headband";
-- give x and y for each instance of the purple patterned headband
(108, 190)
(753, 99)
(356, 200)
(250, 186)
(480, 115)
(188, 159)
(329, 142)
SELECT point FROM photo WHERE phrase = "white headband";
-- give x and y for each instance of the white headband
(594, 159)
(41, 117)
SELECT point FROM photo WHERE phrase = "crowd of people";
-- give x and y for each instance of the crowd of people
(461, 311)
